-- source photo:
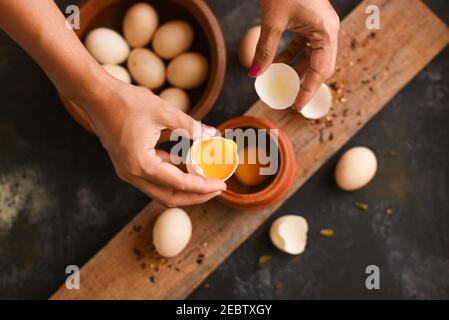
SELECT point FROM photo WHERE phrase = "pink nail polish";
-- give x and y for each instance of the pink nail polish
(209, 131)
(254, 70)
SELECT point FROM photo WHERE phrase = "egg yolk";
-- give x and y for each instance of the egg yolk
(217, 158)
(248, 170)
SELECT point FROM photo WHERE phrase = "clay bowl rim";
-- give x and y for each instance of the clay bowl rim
(207, 21)
(282, 181)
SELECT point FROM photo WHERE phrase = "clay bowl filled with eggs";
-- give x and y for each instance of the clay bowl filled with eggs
(273, 187)
(208, 41)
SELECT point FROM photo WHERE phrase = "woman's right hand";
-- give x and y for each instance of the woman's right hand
(128, 120)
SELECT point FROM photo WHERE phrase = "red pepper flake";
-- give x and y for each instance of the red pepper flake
(353, 43)
(372, 35)
(331, 136)
(152, 279)
(137, 227)
(333, 85)
(371, 89)
(365, 82)
(206, 286)
(177, 269)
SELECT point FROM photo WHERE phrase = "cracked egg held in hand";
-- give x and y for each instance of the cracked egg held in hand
(214, 158)
(278, 86)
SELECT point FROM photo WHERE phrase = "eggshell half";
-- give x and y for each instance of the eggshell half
(278, 86)
(289, 234)
(355, 169)
(193, 168)
(171, 232)
(118, 72)
(319, 105)
(107, 46)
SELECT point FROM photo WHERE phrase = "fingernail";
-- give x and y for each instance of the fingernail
(209, 131)
(254, 70)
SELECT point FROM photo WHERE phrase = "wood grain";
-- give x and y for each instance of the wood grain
(372, 66)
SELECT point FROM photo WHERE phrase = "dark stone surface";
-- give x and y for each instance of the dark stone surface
(60, 200)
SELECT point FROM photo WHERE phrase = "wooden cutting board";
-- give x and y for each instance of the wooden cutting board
(372, 68)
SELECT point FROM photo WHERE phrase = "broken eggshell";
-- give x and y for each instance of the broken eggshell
(319, 105)
(194, 168)
(278, 86)
(289, 234)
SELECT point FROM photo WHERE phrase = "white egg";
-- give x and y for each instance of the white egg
(139, 24)
(356, 168)
(118, 72)
(319, 105)
(176, 97)
(171, 232)
(289, 234)
(278, 86)
(210, 168)
(107, 46)
(146, 68)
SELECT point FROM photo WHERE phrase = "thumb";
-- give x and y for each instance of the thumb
(266, 49)
(181, 124)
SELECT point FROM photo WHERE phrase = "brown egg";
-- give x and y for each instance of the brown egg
(139, 24)
(172, 39)
(247, 46)
(146, 68)
(176, 97)
(188, 71)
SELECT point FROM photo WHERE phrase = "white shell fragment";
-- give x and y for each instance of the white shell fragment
(172, 232)
(289, 234)
(278, 86)
(319, 105)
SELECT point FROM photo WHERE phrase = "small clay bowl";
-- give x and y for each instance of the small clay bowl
(208, 41)
(243, 197)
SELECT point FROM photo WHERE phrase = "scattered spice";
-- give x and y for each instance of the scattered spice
(328, 233)
(361, 205)
(391, 153)
(345, 112)
(371, 89)
(137, 227)
(152, 279)
(389, 211)
(264, 259)
(143, 265)
(205, 244)
(138, 254)
(359, 113)
(321, 136)
(177, 269)
(351, 63)
(365, 82)
(353, 43)
(331, 136)
(372, 35)
(169, 266)
(200, 258)
(206, 286)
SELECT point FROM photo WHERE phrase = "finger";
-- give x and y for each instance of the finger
(170, 197)
(319, 62)
(168, 175)
(266, 49)
(171, 158)
(182, 124)
(292, 50)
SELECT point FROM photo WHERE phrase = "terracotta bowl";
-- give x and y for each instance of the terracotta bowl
(208, 41)
(242, 197)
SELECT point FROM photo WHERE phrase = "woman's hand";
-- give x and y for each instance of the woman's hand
(128, 120)
(315, 26)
